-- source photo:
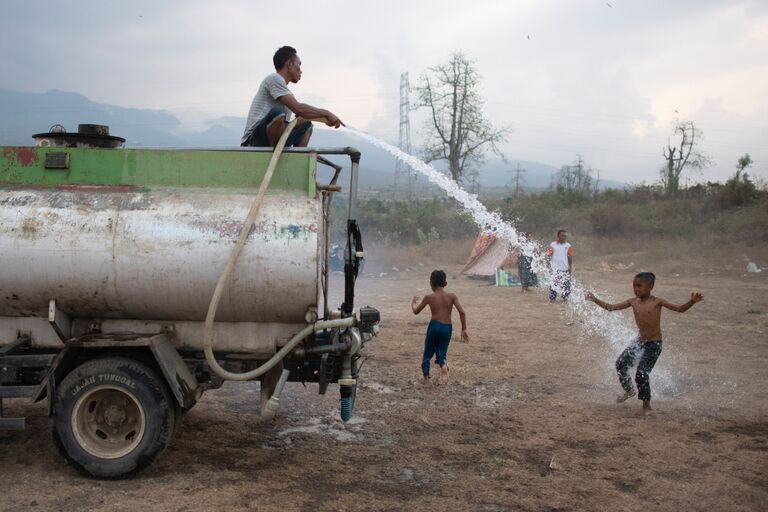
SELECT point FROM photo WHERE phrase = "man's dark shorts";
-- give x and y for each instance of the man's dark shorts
(258, 137)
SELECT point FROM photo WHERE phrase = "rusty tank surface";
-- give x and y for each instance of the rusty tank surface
(109, 248)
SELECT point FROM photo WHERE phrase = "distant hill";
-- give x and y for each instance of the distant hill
(23, 114)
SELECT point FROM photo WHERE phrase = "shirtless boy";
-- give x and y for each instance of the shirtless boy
(645, 350)
(441, 303)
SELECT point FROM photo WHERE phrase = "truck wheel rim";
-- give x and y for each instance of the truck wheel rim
(108, 422)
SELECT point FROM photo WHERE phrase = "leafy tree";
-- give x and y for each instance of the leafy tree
(459, 132)
(743, 162)
(739, 189)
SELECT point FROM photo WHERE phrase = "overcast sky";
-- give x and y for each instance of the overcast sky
(602, 79)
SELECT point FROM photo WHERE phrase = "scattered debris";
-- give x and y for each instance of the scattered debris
(752, 268)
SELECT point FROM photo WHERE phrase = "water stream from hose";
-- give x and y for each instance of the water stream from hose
(615, 328)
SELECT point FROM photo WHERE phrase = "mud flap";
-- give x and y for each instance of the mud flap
(180, 380)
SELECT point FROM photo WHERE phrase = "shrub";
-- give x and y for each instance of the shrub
(612, 220)
(736, 211)
(738, 191)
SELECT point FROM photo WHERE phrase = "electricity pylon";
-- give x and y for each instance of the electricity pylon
(404, 177)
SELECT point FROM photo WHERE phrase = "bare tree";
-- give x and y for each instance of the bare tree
(682, 155)
(576, 177)
(459, 131)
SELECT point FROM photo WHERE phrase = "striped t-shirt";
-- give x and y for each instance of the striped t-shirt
(271, 88)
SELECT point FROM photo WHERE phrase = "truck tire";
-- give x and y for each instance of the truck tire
(112, 417)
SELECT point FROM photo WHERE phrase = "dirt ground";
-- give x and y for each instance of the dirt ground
(527, 422)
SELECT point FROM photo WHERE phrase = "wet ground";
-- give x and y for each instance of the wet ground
(527, 422)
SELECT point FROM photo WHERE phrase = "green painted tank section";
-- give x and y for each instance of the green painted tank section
(155, 168)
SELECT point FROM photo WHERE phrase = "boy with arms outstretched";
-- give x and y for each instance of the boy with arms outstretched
(647, 347)
(441, 303)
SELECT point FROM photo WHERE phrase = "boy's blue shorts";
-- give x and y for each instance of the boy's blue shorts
(436, 343)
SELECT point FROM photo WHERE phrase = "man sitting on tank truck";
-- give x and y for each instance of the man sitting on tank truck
(274, 102)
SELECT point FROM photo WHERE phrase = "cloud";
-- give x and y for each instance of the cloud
(569, 76)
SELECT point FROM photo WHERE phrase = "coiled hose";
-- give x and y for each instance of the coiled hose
(219, 290)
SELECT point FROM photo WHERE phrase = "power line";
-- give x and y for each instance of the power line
(519, 180)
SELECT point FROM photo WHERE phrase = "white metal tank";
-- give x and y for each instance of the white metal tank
(112, 242)
(156, 255)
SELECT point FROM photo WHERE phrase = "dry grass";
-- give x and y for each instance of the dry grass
(671, 255)
(383, 258)
(695, 257)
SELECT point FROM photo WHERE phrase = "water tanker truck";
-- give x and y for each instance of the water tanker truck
(121, 301)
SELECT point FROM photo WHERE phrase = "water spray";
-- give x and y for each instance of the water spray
(593, 320)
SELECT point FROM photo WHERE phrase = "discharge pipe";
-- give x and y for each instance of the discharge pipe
(219, 290)
(273, 404)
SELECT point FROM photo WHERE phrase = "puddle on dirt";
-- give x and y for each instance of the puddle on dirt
(493, 397)
(328, 426)
(378, 388)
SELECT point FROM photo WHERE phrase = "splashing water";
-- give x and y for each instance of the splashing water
(593, 320)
